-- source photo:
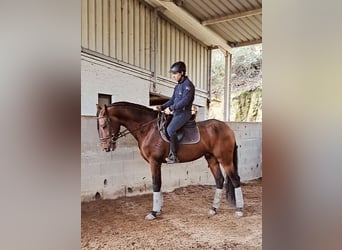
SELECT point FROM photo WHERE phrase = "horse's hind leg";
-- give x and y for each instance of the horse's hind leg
(214, 166)
(233, 182)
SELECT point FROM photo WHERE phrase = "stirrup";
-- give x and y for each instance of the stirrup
(171, 159)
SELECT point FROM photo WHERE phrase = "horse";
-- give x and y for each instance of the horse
(217, 144)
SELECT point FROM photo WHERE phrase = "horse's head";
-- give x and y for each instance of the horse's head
(108, 129)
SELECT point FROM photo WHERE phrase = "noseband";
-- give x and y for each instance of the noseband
(111, 134)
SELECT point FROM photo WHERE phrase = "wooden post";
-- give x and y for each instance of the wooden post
(227, 85)
(210, 51)
(154, 49)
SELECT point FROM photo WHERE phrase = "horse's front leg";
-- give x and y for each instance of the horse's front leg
(157, 195)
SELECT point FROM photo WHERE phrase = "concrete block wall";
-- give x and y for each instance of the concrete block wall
(125, 173)
(99, 76)
(248, 137)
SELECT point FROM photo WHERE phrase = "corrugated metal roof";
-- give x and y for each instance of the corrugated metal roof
(239, 22)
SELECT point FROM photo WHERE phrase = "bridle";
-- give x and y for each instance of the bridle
(120, 134)
(111, 135)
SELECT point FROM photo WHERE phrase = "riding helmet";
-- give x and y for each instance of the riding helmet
(178, 67)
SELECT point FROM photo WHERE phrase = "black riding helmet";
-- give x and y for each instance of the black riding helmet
(178, 67)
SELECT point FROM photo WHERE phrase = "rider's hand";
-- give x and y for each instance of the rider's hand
(168, 111)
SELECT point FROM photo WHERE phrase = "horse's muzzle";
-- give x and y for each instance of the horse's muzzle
(109, 148)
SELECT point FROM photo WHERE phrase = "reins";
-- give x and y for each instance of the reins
(161, 120)
(125, 131)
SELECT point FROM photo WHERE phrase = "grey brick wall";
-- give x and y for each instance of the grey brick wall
(126, 173)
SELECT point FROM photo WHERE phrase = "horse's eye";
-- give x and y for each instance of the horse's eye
(103, 126)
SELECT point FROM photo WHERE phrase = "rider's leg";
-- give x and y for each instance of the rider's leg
(172, 158)
(176, 123)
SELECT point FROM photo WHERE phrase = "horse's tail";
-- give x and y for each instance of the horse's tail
(235, 158)
(230, 190)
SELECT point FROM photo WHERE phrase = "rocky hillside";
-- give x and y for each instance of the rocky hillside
(246, 84)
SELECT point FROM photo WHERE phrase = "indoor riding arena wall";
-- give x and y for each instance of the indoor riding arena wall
(123, 172)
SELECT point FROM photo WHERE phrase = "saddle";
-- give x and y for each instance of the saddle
(188, 134)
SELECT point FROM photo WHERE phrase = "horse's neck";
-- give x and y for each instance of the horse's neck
(135, 124)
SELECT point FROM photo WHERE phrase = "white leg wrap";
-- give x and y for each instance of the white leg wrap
(217, 198)
(239, 198)
(161, 200)
(157, 201)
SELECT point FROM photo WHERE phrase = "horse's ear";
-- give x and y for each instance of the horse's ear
(105, 107)
(98, 107)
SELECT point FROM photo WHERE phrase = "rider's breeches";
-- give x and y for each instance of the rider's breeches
(177, 122)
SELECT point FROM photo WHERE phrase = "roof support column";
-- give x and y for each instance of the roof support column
(154, 45)
(209, 63)
(227, 84)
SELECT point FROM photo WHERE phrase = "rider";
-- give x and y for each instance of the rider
(180, 103)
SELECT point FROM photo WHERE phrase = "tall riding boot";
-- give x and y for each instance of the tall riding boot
(172, 158)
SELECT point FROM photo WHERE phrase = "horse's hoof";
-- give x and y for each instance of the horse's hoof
(212, 212)
(238, 213)
(151, 216)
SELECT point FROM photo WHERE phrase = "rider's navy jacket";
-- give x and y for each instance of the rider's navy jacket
(182, 98)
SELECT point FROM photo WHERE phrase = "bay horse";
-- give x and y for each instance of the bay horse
(217, 144)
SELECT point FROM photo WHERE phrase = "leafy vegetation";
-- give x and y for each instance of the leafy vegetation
(246, 78)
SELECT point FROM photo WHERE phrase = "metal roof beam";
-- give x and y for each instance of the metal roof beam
(232, 17)
(246, 43)
(190, 24)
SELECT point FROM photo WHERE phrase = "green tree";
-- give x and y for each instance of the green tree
(217, 73)
(246, 61)
(246, 83)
